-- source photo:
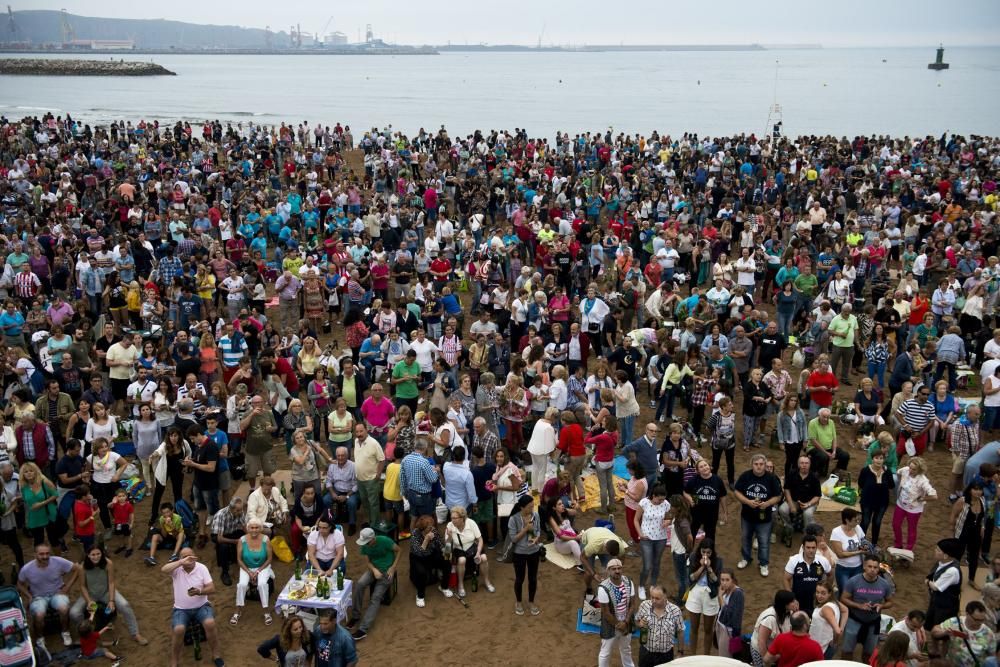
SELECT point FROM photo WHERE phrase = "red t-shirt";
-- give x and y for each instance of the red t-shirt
(88, 643)
(795, 649)
(822, 397)
(81, 512)
(122, 512)
(918, 308)
(283, 367)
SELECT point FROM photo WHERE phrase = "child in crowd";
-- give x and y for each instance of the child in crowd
(90, 639)
(123, 517)
(84, 512)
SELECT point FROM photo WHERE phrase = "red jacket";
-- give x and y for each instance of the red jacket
(40, 442)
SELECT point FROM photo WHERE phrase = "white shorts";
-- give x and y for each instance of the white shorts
(699, 602)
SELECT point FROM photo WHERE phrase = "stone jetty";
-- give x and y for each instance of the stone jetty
(61, 67)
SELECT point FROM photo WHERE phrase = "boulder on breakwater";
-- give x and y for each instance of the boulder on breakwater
(61, 67)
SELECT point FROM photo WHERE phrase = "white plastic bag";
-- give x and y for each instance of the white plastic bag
(911, 448)
(827, 488)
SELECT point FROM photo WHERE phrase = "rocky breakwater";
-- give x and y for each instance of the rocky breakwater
(61, 67)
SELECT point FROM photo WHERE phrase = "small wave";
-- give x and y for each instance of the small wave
(35, 108)
(244, 113)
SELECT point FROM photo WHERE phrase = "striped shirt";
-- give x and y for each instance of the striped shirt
(184, 392)
(26, 284)
(916, 415)
(232, 351)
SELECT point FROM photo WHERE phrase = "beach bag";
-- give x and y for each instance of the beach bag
(590, 612)
(281, 549)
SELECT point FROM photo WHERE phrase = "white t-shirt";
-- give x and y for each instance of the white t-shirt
(466, 538)
(991, 400)
(820, 629)
(901, 626)
(848, 544)
(326, 549)
(652, 519)
(104, 467)
(425, 354)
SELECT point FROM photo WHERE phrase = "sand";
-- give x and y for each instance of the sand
(487, 632)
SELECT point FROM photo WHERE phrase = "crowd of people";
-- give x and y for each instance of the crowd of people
(450, 337)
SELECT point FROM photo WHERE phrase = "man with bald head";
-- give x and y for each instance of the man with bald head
(843, 330)
(192, 583)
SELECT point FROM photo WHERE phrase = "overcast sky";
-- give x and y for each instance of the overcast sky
(839, 23)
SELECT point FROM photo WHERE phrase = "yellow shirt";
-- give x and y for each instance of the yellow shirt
(206, 285)
(367, 456)
(390, 490)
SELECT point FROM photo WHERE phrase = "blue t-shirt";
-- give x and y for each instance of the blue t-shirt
(335, 649)
(11, 325)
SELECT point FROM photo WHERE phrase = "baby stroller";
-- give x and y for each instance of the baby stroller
(16, 649)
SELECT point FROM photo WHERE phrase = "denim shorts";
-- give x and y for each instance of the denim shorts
(181, 617)
(42, 603)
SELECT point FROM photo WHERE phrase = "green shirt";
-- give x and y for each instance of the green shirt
(259, 438)
(824, 435)
(842, 330)
(380, 552)
(807, 284)
(407, 389)
(891, 460)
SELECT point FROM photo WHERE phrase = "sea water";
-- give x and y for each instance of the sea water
(820, 91)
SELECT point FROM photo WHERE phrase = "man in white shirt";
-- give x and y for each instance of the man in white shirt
(992, 348)
(141, 391)
(913, 627)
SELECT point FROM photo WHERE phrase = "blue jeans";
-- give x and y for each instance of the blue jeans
(991, 418)
(652, 554)
(763, 533)
(876, 371)
(625, 426)
(842, 574)
(352, 503)
(785, 323)
(681, 572)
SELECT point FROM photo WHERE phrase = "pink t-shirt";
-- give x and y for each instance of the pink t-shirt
(198, 577)
(378, 414)
(636, 487)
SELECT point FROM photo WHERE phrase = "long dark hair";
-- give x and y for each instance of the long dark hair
(781, 601)
(101, 564)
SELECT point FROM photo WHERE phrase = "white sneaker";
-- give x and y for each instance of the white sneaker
(420, 602)
(40, 643)
(67, 639)
(764, 571)
(445, 592)
(642, 592)
(663, 419)
(742, 565)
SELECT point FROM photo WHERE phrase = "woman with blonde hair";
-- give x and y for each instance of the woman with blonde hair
(41, 499)
(209, 354)
(307, 360)
(912, 492)
(254, 556)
